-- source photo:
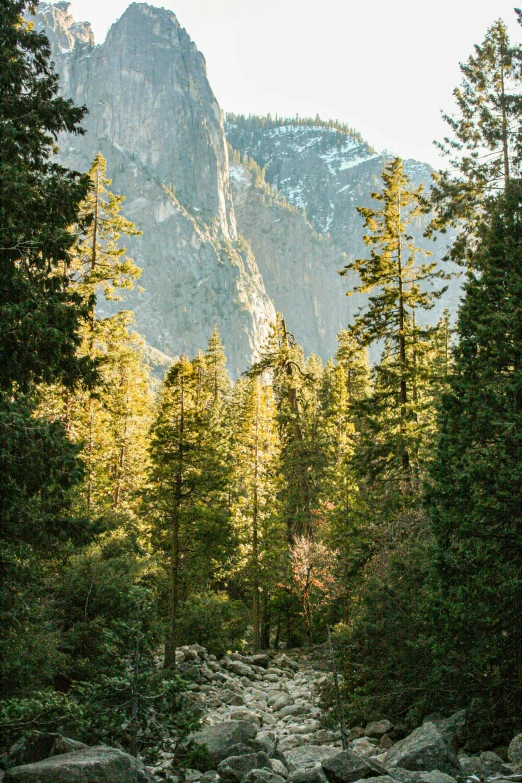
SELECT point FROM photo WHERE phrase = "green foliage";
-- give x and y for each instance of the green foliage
(215, 621)
(39, 201)
(485, 145)
(474, 499)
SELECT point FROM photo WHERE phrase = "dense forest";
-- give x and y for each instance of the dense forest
(382, 502)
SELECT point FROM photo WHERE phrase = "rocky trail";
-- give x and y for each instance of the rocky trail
(261, 723)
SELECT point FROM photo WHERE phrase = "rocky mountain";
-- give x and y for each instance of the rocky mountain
(153, 115)
(327, 169)
(219, 245)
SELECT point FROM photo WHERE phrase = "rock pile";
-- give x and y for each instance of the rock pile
(261, 724)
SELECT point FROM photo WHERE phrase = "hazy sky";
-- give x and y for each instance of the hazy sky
(386, 67)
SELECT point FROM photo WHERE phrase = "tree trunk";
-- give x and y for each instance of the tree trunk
(173, 603)
(255, 538)
(403, 392)
(265, 619)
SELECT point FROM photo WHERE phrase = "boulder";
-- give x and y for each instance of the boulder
(347, 767)
(266, 741)
(312, 775)
(65, 745)
(492, 764)
(515, 750)
(241, 669)
(386, 742)
(279, 768)
(241, 749)
(294, 709)
(424, 750)
(232, 699)
(211, 776)
(378, 728)
(278, 700)
(382, 779)
(435, 777)
(261, 659)
(356, 733)
(298, 759)
(235, 768)
(405, 775)
(220, 738)
(100, 764)
(451, 728)
(364, 747)
(263, 776)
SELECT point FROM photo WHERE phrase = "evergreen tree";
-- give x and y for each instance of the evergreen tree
(100, 266)
(485, 145)
(254, 455)
(296, 400)
(190, 485)
(474, 500)
(400, 287)
(39, 201)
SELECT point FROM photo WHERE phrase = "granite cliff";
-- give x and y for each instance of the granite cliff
(154, 116)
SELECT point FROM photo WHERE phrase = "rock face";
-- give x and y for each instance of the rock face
(424, 750)
(100, 764)
(298, 264)
(155, 118)
(328, 171)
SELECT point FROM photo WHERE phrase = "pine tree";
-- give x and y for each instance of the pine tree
(474, 500)
(190, 485)
(400, 287)
(255, 454)
(295, 399)
(39, 201)
(100, 266)
(485, 145)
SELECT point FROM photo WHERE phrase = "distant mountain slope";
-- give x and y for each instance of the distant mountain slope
(327, 170)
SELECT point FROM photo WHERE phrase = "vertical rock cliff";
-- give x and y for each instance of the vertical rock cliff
(154, 116)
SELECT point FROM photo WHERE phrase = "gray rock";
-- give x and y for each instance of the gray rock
(365, 747)
(212, 776)
(232, 698)
(263, 776)
(294, 709)
(312, 775)
(347, 767)
(307, 756)
(220, 738)
(266, 741)
(279, 700)
(515, 750)
(378, 728)
(65, 745)
(235, 768)
(100, 764)
(382, 779)
(241, 749)
(491, 763)
(435, 777)
(241, 669)
(405, 775)
(279, 768)
(424, 750)
(261, 659)
(451, 727)
(356, 733)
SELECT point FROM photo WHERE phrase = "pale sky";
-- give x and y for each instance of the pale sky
(386, 67)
